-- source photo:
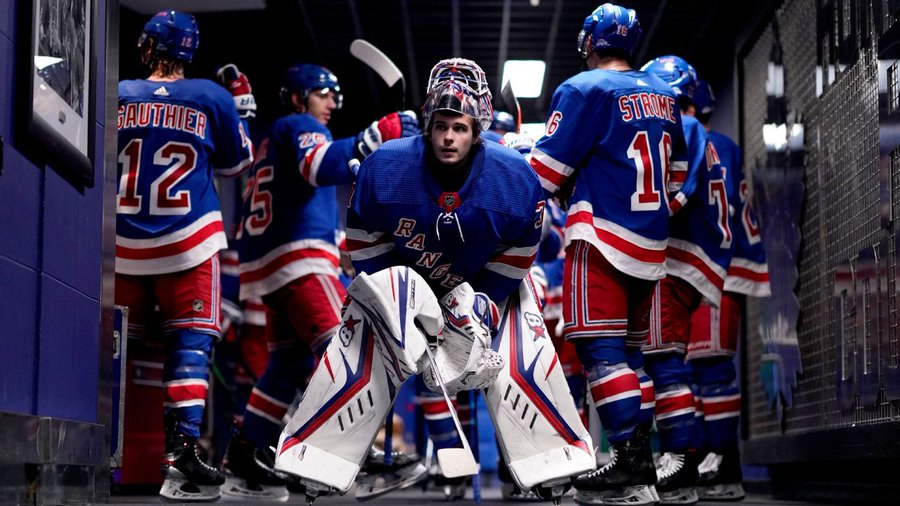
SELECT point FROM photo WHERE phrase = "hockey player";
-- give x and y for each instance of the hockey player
(697, 258)
(714, 331)
(612, 133)
(465, 216)
(502, 124)
(174, 133)
(289, 257)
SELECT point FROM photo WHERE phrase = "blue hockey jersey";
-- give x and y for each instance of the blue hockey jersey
(700, 238)
(748, 272)
(617, 134)
(290, 211)
(172, 137)
(487, 233)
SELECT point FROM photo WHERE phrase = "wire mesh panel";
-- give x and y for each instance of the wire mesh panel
(847, 288)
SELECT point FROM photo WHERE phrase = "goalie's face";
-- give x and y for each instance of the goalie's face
(452, 136)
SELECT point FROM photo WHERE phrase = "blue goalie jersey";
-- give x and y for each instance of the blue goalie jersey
(748, 272)
(173, 137)
(700, 237)
(290, 211)
(486, 233)
(616, 134)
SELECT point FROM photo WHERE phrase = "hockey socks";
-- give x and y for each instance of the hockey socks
(186, 379)
(614, 387)
(721, 399)
(674, 401)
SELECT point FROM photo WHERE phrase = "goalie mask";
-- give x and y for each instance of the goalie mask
(171, 34)
(460, 86)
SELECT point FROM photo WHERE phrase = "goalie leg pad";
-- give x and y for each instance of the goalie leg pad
(541, 435)
(374, 349)
(399, 305)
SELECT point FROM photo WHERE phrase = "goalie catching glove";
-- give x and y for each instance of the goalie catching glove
(237, 84)
(464, 356)
(393, 126)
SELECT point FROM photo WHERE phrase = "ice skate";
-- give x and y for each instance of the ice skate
(676, 475)
(187, 478)
(250, 475)
(622, 481)
(378, 477)
(720, 477)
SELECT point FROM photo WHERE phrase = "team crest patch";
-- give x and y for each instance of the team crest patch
(536, 324)
(198, 305)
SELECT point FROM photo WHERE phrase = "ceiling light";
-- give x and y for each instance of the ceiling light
(526, 76)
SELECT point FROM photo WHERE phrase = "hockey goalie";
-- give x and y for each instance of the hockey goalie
(393, 327)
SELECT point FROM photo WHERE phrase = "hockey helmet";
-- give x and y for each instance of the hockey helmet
(307, 78)
(675, 71)
(704, 99)
(503, 121)
(171, 34)
(609, 27)
(458, 85)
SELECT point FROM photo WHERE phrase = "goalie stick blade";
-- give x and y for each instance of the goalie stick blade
(457, 462)
(511, 103)
(365, 52)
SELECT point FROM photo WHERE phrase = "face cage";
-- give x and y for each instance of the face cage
(460, 70)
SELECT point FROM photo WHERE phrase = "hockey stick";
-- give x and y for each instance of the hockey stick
(454, 462)
(365, 52)
(511, 103)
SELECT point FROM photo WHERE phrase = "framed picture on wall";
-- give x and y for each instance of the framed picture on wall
(58, 85)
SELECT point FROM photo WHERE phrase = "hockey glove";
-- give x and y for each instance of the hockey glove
(464, 356)
(237, 84)
(393, 126)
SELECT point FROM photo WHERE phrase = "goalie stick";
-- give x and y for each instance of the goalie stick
(367, 53)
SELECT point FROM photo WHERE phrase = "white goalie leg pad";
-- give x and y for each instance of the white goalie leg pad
(464, 355)
(541, 435)
(399, 305)
(355, 383)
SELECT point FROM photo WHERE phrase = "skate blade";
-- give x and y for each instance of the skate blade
(372, 486)
(730, 492)
(180, 490)
(639, 495)
(237, 489)
(511, 492)
(687, 495)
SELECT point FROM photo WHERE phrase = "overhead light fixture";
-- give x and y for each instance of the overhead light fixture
(526, 76)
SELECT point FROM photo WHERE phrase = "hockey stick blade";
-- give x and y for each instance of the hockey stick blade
(511, 103)
(365, 52)
(454, 462)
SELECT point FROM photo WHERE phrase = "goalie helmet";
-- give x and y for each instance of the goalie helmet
(675, 71)
(704, 98)
(171, 34)
(458, 85)
(306, 79)
(609, 27)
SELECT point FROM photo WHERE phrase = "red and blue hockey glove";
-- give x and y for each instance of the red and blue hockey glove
(237, 84)
(393, 126)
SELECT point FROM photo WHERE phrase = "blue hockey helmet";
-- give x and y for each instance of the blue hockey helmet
(308, 78)
(458, 85)
(704, 99)
(503, 121)
(675, 71)
(609, 27)
(172, 34)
